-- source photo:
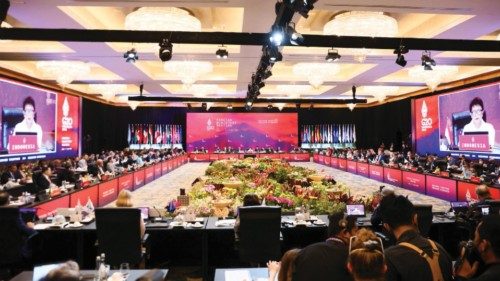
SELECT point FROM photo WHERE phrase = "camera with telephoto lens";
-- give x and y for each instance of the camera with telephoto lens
(470, 253)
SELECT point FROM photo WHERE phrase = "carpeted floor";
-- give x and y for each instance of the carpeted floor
(159, 192)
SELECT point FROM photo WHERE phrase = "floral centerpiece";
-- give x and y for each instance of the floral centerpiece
(226, 182)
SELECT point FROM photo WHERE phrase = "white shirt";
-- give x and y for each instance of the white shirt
(484, 127)
(35, 128)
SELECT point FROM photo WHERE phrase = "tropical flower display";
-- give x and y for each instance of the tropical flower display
(226, 182)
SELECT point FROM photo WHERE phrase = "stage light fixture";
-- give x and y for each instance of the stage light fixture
(295, 37)
(189, 106)
(297, 105)
(261, 84)
(427, 61)
(222, 53)
(230, 107)
(204, 105)
(333, 55)
(276, 36)
(267, 74)
(131, 55)
(270, 106)
(274, 54)
(165, 52)
(400, 60)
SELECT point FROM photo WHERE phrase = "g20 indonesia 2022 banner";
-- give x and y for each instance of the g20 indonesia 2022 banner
(37, 123)
(241, 130)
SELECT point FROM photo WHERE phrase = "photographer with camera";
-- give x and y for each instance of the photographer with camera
(487, 245)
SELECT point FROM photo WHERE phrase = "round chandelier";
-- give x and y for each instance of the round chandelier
(293, 91)
(362, 23)
(108, 91)
(316, 73)
(64, 72)
(380, 92)
(432, 78)
(162, 19)
(188, 71)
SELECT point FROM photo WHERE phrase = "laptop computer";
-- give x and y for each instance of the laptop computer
(356, 210)
(460, 206)
(144, 212)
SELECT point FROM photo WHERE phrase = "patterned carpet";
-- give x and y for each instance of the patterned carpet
(159, 192)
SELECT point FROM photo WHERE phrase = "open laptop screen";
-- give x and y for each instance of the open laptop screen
(357, 210)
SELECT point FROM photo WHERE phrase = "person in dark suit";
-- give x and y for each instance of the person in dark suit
(10, 174)
(43, 181)
(66, 174)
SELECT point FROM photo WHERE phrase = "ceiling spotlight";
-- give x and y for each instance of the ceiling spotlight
(270, 106)
(267, 74)
(295, 37)
(276, 37)
(165, 52)
(222, 53)
(274, 54)
(204, 105)
(189, 106)
(131, 55)
(427, 61)
(400, 60)
(333, 55)
(297, 105)
(230, 107)
(261, 84)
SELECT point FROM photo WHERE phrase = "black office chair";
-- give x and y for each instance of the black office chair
(259, 234)
(12, 243)
(424, 217)
(119, 235)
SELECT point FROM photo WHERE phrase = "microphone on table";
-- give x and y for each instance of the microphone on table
(159, 213)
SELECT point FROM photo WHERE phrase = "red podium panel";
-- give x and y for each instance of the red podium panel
(126, 182)
(108, 191)
(50, 207)
(342, 164)
(474, 142)
(157, 170)
(84, 195)
(164, 167)
(467, 191)
(321, 159)
(138, 179)
(414, 181)
(22, 144)
(316, 158)
(351, 166)
(149, 174)
(377, 172)
(334, 162)
(300, 157)
(194, 157)
(362, 169)
(392, 176)
(442, 188)
(327, 160)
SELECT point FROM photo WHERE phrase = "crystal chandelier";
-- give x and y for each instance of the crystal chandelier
(362, 23)
(434, 77)
(380, 92)
(293, 91)
(64, 72)
(162, 19)
(108, 91)
(316, 73)
(188, 71)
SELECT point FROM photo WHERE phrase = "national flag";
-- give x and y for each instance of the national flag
(128, 134)
(354, 132)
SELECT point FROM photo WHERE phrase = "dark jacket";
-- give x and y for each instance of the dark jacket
(324, 261)
(404, 264)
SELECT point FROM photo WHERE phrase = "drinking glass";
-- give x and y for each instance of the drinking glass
(125, 270)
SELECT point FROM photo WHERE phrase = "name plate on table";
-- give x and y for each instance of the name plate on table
(22, 144)
(474, 142)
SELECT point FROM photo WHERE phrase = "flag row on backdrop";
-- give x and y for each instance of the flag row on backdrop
(328, 133)
(154, 134)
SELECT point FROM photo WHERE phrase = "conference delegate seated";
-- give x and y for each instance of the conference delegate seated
(125, 200)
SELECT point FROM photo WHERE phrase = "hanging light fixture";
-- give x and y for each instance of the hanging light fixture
(380, 92)
(202, 90)
(316, 73)
(108, 91)
(293, 91)
(162, 19)
(362, 23)
(280, 105)
(351, 106)
(134, 104)
(188, 71)
(64, 72)
(432, 78)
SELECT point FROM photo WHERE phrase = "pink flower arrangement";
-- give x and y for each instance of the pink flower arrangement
(209, 187)
(282, 201)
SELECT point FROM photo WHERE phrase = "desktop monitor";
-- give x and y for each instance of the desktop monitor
(356, 210)
(459, 207)
(39, 272)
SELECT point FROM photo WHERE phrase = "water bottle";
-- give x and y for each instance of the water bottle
(97, 276)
